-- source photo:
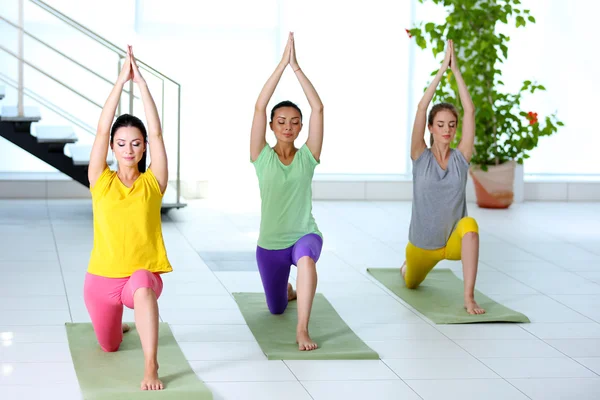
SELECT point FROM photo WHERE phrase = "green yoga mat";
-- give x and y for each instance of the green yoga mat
(116, 376)
(440, 298)
(276, 334)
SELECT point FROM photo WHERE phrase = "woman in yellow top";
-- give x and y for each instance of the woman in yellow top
(129, 253)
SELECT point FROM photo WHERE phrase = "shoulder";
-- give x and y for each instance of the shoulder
(103, 181)
(264, 155)
(305, 152)
(425, 155)
(459, 157)
(151, 180)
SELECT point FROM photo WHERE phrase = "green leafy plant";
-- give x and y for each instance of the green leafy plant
(503, 130)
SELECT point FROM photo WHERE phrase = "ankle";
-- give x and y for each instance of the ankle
(151, 365)
(302, 331)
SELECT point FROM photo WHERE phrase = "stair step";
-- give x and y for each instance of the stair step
(11, 113)
(2, 92)
(80, 153)
(55, 134)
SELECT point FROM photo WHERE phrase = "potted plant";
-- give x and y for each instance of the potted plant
(504, 132)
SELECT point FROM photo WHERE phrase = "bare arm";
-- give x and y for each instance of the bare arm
(467, 141)
(100, 146)
(159, 163)
(315, 126)
(418, 145)
(259, 122)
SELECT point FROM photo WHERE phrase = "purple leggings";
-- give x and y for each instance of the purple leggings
(274, 267)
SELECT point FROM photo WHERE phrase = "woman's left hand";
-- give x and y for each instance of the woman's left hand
(137, 76)
(293, 60)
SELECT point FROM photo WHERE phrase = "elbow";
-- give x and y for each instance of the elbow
(469, 110)
(318, 108)
(422, 108)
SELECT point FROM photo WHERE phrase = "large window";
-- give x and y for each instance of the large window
(559, 51)
(356, 55)
(369, 74)
(555, 51)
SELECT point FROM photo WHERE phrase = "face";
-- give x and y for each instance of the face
(286, 124)
(444, 127)
(129, 146)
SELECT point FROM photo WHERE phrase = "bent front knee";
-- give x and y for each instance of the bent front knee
(143, 291)
(468, 225)
(471, 236)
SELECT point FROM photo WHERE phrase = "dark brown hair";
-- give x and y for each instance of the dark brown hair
(285, 103)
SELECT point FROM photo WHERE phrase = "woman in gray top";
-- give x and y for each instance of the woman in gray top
(439, 227)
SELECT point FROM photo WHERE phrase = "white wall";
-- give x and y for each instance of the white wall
(355, 53)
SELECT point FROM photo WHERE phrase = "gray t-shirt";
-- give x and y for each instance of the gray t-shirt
(439, 200)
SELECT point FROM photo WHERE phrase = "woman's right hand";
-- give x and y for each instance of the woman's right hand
(126, 72)
(285, 59)
(447, 57)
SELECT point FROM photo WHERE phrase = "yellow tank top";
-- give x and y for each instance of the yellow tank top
(127, 227)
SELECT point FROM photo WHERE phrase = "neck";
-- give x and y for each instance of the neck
(440, 149)
(285, 148)
(129, 173)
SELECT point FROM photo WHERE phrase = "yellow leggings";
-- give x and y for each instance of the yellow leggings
(420, 261)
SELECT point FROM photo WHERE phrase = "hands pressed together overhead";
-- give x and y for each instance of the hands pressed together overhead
(130, 70)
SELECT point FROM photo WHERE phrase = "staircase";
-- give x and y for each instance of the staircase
(58, 145)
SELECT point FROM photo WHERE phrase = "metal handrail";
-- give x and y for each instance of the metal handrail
(61, 53)
(88, 32)
(51, 77)
(51, 106)
(109, 45)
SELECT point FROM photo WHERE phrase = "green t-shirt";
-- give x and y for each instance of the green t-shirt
(286, 198)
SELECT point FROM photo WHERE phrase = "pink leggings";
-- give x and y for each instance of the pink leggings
(105, 297)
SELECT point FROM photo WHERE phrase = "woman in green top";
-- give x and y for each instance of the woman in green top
(288, 232)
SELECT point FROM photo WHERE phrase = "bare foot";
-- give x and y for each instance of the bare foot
(473, 308)
(151, 381)
(403, 270)
(125, 328)
(291, 292)
(305, 343)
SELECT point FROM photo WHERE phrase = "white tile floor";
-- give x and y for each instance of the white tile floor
(542, 259)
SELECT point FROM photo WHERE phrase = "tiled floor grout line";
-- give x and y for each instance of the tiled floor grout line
(399, 377)
(297, 379)
(62, 275)
(66, 274)
(418, 314)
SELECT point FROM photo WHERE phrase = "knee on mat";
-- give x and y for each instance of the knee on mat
(110, 347)
(412, 285)
(277, 308)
